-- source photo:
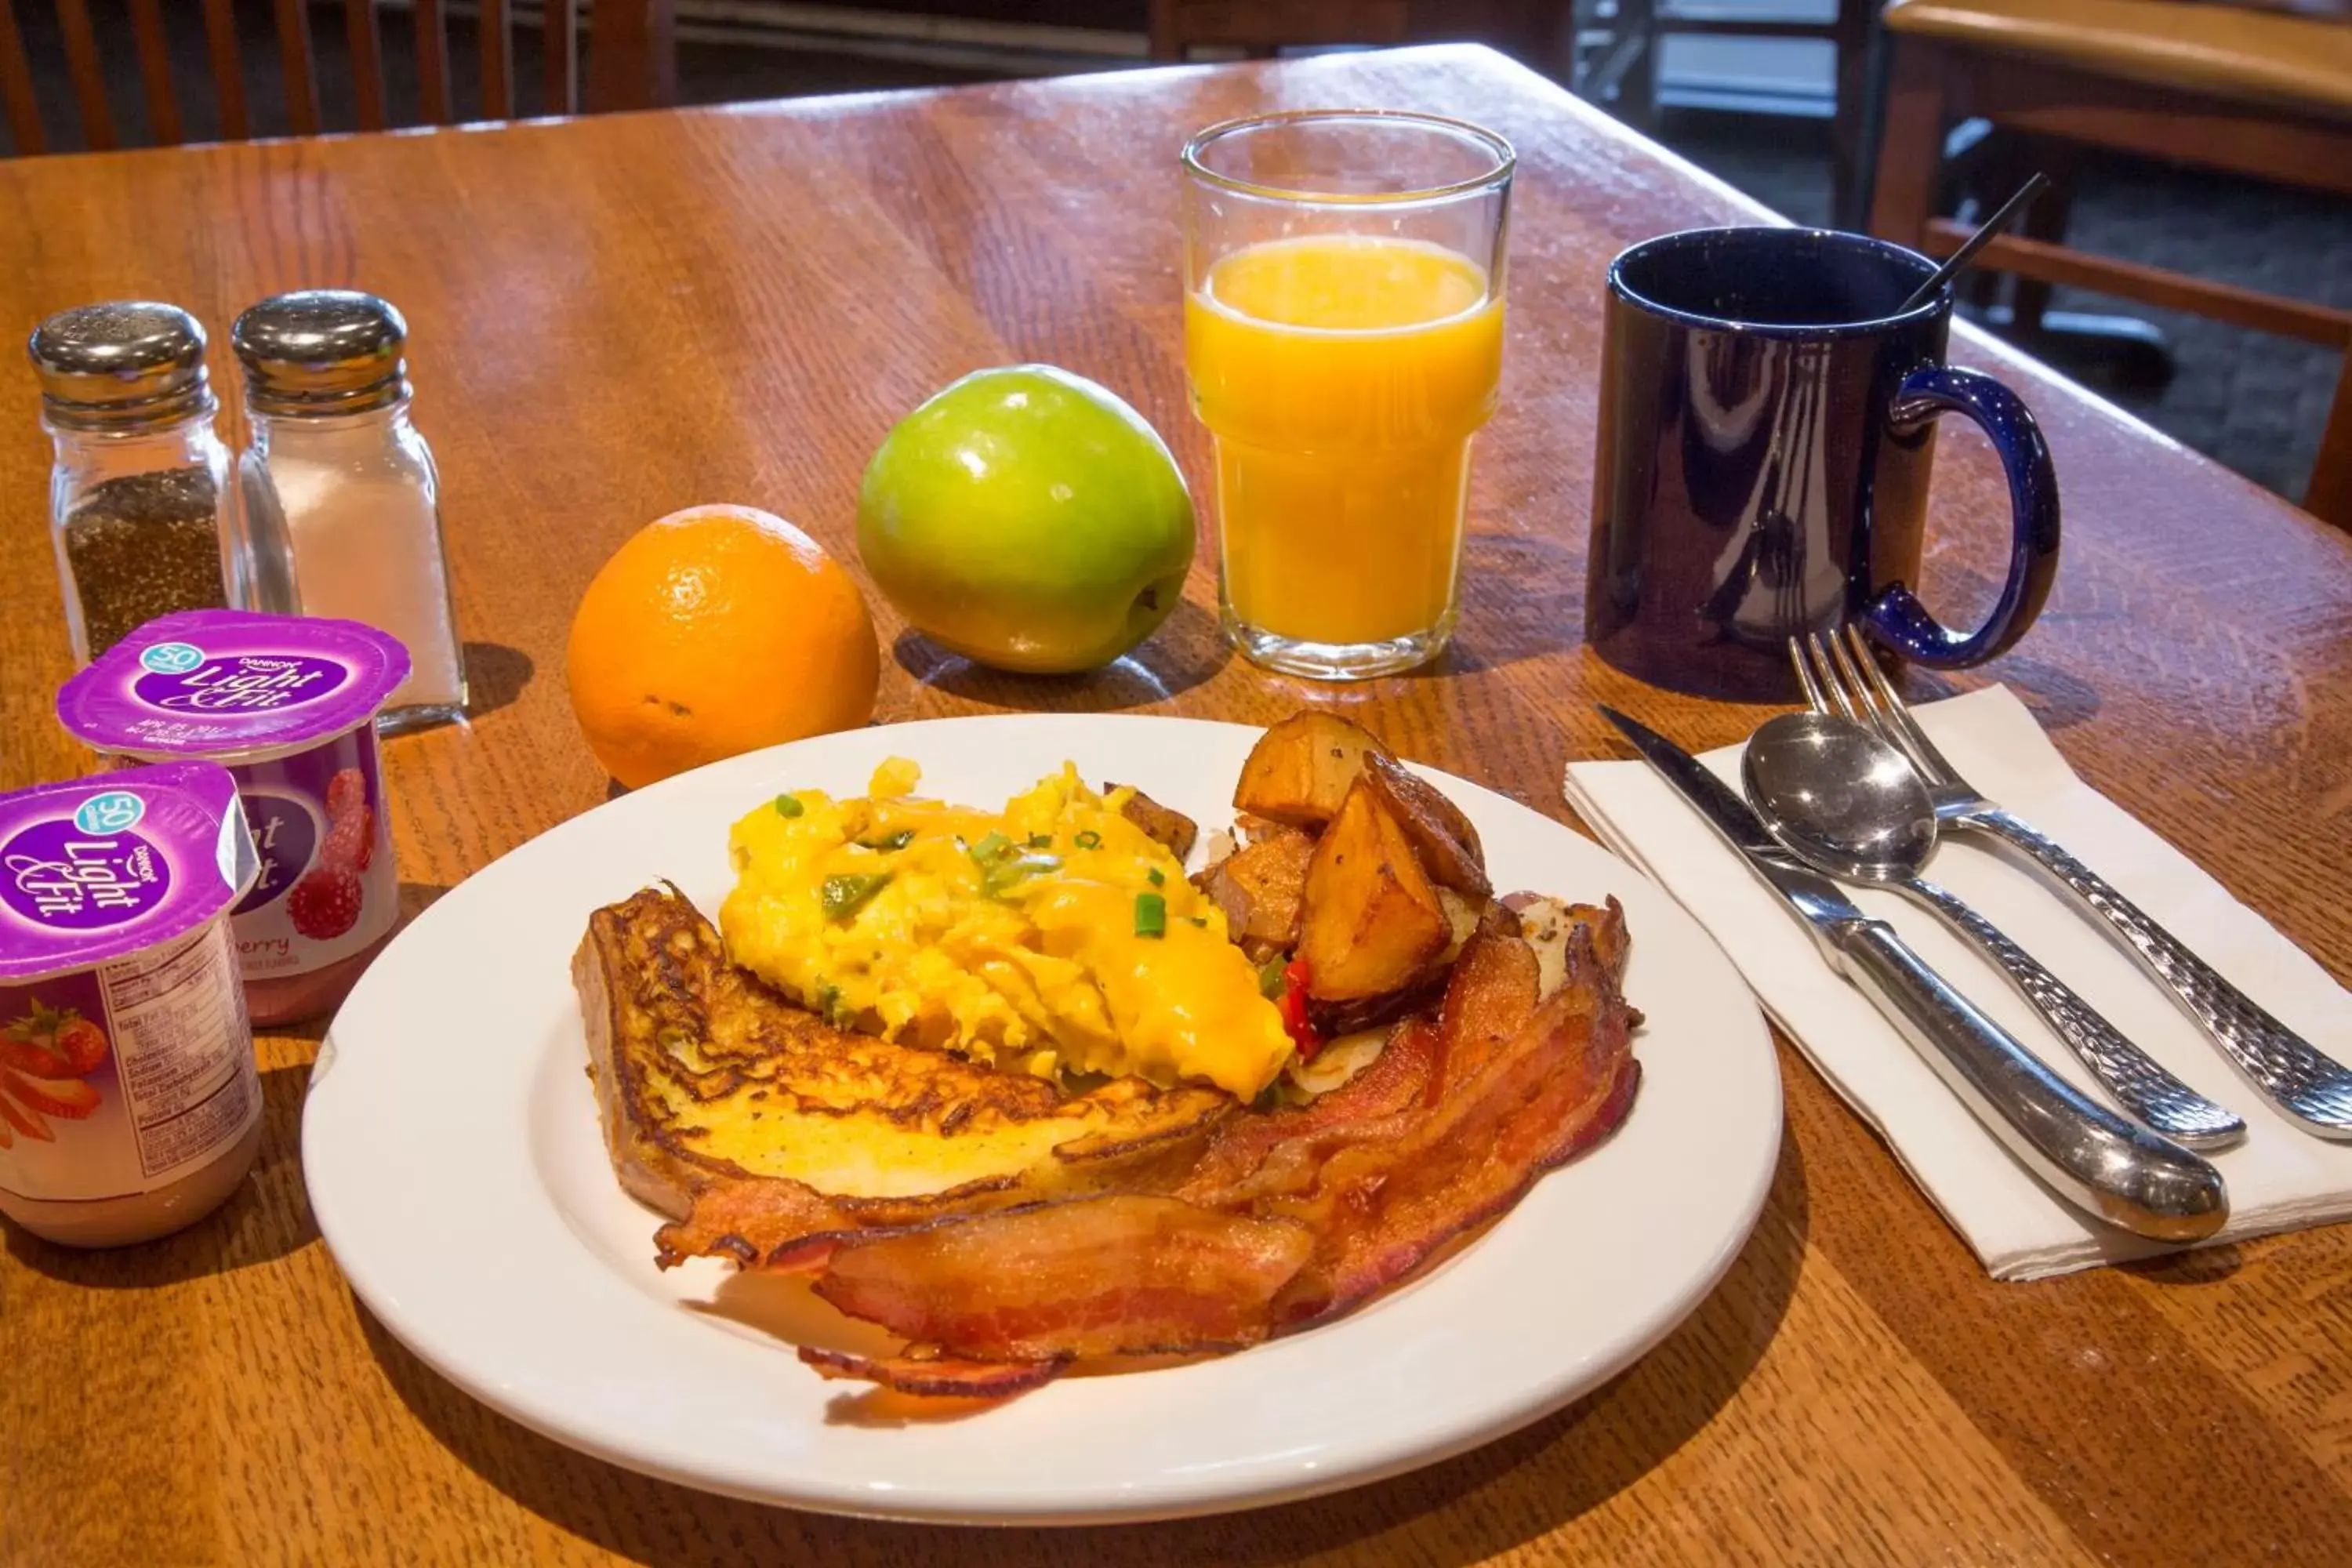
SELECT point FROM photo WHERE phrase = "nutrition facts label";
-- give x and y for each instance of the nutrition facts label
(186, 1063)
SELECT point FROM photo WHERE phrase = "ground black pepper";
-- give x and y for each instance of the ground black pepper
(142, 546)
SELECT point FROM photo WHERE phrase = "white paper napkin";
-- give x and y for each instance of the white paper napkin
(2279, 1179)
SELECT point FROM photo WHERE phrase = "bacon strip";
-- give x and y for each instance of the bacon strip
(773, 1221)
(1130, 1275)
(1509, 1089)
(1251, 1157)
(1384, 1211)
(942, 1379)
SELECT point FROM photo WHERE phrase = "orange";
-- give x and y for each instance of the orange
(715, 631)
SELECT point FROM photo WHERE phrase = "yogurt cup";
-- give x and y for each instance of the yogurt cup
(287, 704)
(129, 1103)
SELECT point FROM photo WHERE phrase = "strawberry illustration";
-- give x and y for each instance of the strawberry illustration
(346, 792)
(31, 1056)
(67, 1097)
(82, 1043)
(325, 903)
(351, 842)
(43, 1057)
(44, 1041)
(25, 1119)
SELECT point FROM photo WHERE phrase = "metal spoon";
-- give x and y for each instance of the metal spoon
(1848, 804)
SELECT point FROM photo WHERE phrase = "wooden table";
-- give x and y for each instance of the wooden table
(618, 317)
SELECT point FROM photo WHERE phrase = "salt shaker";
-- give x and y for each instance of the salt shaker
(340, 498)
(139, 502)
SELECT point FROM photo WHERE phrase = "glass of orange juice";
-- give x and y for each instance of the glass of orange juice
(1343, 336)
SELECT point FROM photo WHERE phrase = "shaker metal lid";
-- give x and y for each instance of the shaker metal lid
(128, 362)
(321, 351)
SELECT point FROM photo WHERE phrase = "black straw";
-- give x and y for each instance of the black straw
(1974, 243)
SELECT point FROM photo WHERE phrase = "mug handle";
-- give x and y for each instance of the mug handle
(1896, 613)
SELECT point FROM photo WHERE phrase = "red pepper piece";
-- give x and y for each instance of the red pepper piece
(1303, 1034)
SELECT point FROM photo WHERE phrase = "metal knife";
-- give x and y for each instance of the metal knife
(2079, 1149)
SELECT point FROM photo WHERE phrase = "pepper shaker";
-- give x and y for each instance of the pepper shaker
(339, 494)
(138, 504)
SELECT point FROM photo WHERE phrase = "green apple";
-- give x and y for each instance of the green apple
(1028, 518)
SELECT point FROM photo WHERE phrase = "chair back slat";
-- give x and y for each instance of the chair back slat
(561, 42)
(629, 62)
(498, 62)
(631, 55)
(295, 61)
(88, 73)
(16, 87)
(366, 45)
(433, 63)
(1262, 26)
(155, 72)
(228, 69)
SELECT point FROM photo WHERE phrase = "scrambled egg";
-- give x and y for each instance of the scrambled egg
(1053, 937)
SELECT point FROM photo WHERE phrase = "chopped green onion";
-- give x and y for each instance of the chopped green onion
(1269, 978)
(1200, 920)
(844, 896)
(1153, 875)
(1041, 841)
(786, 806)
(897, 840)
(1151, 915)
(1089, 839)
(995, 847)
(1003, 877)
(828, 1002)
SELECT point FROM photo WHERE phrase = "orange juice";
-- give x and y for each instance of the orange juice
(1343, 376)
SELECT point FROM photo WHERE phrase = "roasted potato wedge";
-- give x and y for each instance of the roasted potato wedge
(1448, 846)
(1372, 919)
(1263, 890)
(1419, 993)
(1299, 771)
(1171, 827)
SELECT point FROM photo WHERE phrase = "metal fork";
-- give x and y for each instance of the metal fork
(2305, 1083)
(2138, 1082)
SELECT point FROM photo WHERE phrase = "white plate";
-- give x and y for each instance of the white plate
(455, 1167)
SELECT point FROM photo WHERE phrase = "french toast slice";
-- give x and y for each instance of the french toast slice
(704, 1076)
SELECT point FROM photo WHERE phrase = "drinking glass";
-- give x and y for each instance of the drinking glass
(1343, 336)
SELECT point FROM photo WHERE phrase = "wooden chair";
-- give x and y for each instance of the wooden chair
(632, 63)
(1524, 28)
(1622, 73)
(2252, 92)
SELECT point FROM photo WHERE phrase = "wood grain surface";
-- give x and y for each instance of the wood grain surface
(618, 317)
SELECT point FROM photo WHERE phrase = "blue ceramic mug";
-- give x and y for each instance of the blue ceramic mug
(1767, 419)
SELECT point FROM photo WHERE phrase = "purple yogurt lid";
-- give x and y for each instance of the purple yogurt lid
(227, 684)
(106, 866)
